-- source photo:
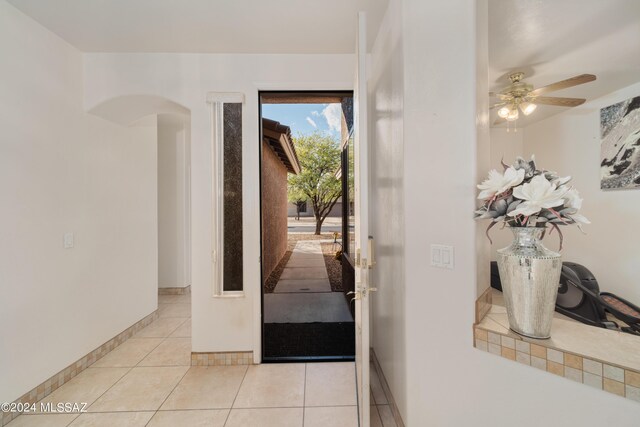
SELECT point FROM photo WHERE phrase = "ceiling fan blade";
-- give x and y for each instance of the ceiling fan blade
(500, 104)
(499, 121)
(561, 102)
(573, 81)
(499, 95)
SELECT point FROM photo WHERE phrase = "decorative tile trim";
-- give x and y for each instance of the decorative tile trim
(594, 373)
(386, 389)
(222, 358)
(483, 304)
(64, 376)
(175, 291)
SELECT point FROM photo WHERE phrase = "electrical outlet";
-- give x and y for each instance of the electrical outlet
(442, 256)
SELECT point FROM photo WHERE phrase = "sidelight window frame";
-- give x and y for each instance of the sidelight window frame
(216, 102)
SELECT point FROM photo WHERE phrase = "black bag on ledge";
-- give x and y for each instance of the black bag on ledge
(579, 298)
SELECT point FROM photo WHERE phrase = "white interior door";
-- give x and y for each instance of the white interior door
(363, 255)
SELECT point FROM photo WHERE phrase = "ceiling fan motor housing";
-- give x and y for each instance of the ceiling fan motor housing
(518, 89)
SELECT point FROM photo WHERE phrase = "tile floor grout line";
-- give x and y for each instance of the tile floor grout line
(130, 368)
(140, 361)
(152, 350)
(109, 388)
(379, 416)
(236, 396)
(177, 383)
(169, 394)
(192, 409)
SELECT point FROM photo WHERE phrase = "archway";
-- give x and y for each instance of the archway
(172, 128)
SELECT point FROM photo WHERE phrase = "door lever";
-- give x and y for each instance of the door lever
(372, 261)
(356, 295)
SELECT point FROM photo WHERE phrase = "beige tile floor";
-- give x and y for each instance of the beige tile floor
(148, 381)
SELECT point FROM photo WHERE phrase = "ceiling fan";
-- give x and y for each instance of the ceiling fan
(522, 96)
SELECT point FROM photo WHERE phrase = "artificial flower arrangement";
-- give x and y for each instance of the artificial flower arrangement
(525, 196)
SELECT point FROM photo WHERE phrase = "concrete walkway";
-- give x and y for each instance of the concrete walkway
(303, 293)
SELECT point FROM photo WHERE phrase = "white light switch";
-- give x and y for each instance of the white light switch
(68, 240)
(436, 256)
(442, 256)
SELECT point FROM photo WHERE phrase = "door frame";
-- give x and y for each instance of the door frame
(314, 89)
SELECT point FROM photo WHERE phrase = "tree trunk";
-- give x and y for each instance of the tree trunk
(318, 226)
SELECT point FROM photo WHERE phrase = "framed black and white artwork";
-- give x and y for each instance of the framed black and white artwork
(620, 145)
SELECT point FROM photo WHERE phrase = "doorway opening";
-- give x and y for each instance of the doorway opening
(306, 192)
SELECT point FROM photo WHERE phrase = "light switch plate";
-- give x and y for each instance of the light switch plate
(442, 256)
(68, 240)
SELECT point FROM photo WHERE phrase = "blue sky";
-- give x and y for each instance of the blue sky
(306, 118)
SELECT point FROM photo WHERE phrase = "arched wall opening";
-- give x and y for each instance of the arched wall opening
(171, 123)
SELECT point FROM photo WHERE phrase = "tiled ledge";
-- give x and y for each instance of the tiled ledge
(597, 357)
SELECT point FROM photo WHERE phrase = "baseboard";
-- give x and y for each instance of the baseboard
(175, 291)
(222, 358)
(64, 376)
(387, 391)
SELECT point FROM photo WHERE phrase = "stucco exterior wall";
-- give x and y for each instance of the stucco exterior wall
(274, 210)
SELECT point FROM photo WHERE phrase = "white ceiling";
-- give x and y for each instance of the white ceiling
(551, 40)
(206, 26)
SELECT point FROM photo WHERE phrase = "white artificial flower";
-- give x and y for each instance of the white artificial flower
(499, 183)
(572, 199)
(536, 195)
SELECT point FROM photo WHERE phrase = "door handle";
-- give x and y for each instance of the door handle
(356, 295)
(372, 261)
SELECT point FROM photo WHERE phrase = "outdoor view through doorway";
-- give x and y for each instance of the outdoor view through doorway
(307, 222)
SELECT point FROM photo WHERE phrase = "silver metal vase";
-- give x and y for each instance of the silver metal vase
(530, 274)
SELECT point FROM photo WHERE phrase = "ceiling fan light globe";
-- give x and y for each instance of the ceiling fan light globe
(528, 108)
(504, 112)
(513, 115)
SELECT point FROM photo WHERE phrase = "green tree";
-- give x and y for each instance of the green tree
(298, 198)
(319, 156)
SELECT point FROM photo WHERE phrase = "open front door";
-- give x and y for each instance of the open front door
(363, 243)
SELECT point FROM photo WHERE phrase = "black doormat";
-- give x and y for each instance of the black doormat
(309, 340)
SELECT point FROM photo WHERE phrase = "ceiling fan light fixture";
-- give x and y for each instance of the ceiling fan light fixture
(513, 115)
(504, 112)
(528, 108)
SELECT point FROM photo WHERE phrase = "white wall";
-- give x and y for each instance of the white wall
(447, 381)
(387, 201)
(504, 145)
(173, 209)
(62, 170)
(570, 144)
(218, 324)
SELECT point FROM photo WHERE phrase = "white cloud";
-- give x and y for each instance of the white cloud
(333, 114)
(315, 113)
(311, 122)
